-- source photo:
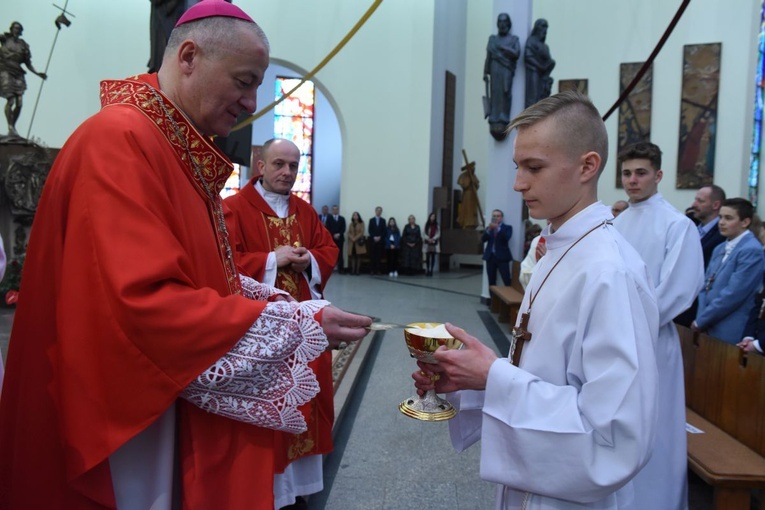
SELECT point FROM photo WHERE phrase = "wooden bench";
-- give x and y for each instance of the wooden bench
(506, 301)
(725, 398)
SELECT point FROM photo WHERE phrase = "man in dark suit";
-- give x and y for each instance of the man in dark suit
(336, 226)
(705, 211)
(376, 229)
(497, 252)
(754, 332)
(324, 216)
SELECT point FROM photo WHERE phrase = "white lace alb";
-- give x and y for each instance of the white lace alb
(265, 377)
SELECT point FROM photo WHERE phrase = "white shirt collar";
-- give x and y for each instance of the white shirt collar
(732, 243)
(279, 203)
(703, 229)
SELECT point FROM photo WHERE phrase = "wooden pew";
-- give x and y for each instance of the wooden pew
(725, 398)
(506, 301)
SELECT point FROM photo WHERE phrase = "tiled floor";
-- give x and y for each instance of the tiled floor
(384, 460)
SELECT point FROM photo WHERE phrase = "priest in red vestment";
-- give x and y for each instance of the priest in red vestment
(278, 239)
(143, 371)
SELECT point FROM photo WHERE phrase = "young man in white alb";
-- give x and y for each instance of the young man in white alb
(669, 244)
(573, 423)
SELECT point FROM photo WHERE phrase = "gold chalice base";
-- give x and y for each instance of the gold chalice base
(429, 407)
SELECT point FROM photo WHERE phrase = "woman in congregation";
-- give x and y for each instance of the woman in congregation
(357, 243)
(392, 246)
(411, 247)
(430, 235)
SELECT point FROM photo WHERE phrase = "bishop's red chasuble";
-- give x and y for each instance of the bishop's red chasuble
(127, 295)
(255, 231)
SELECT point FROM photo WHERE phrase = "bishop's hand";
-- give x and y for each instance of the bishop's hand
(342, 327)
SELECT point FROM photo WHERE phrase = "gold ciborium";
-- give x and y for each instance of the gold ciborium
(422, 339)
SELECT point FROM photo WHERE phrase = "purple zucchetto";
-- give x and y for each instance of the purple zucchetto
(212, 8)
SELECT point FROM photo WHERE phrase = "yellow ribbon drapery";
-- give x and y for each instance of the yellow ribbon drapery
(325, 61)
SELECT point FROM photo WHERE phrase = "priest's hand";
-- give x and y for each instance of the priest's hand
(284, 255)
(462, 369)
(301, 259)
(343, 327)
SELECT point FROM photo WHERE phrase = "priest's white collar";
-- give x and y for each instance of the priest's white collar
(279, 203)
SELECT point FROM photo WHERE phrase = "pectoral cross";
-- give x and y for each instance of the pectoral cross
(521, 335)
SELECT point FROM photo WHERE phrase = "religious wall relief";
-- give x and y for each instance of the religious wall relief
(698, 115)
(634, 111)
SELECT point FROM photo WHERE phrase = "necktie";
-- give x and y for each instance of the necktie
(541, 248)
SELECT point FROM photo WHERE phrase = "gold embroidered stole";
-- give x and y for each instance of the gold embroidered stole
(208, 170)
(285, 232)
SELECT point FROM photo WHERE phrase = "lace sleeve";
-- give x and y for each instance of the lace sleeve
(253, 289)
(265, 377)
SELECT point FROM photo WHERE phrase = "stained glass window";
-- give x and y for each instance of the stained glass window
(754, 156)
(232, 183)
(293, 120)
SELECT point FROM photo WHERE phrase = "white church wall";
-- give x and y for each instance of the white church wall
(381, 83)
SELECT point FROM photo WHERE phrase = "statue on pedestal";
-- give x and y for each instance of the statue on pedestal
(539, 64)
(164, 15)
(14, 51)
(502, 54)
(467, 216)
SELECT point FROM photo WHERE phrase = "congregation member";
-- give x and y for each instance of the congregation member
(357, 243)
(336, 226)
(376, 230)
(706, 210)
(619, 207)
(496, 253)
(134, 334)
(431, 235)
(755, 327)
(278, 240)
(392, 246)
(734, 276)
(411, 247)
(574, 422)
(668, 243)
(324, 214)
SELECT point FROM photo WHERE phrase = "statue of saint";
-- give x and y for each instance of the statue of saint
(539, 64)
(502, 54)
(14, 51)
(469, 205)
(164, 15)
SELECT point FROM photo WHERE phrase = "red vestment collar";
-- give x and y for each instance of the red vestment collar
(209, 168)
(139, 92)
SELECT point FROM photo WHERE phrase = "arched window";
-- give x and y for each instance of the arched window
(293, 120)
